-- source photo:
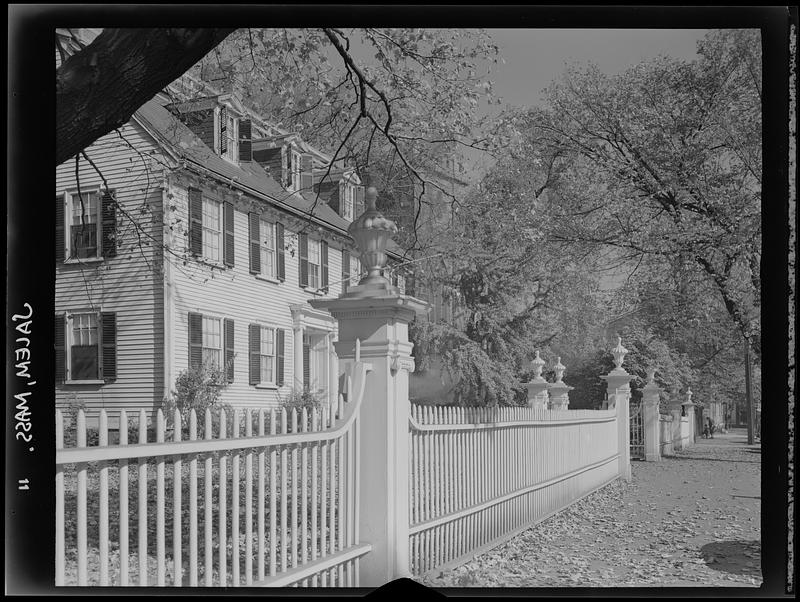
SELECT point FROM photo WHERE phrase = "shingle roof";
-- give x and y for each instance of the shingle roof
(179, 139)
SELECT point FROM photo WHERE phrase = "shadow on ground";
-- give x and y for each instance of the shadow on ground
(736, 556)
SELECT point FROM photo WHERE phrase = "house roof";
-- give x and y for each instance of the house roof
(249, 176)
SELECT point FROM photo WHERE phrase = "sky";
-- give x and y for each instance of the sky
(535, 57)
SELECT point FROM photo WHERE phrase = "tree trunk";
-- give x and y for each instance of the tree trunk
(100, 87)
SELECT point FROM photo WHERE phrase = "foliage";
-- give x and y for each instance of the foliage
(388, 101)
(300, 399)
(196, 388)
(661, 164)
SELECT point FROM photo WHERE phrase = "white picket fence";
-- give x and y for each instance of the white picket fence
(276, 505)
(481, 475)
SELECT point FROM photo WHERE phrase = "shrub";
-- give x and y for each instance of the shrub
(196, 389)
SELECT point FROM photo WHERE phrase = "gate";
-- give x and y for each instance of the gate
(637, 430)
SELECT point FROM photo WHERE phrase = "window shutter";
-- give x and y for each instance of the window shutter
(345, 270)
(109, 210)
(303, 240)
(195, 340)
(323, 258)
(358, 206)
(255, 354)
(306, 365)
(280, 339)
(195, 221)
(227, 219)
(108, 328)
(280, 251)
(223, 130)
(60, 241)
(228, 349)
(255, 246)
(59, 343)
(245, 142)
(306, 172)
(286, 166)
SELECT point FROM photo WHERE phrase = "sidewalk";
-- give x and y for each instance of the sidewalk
(692, 519)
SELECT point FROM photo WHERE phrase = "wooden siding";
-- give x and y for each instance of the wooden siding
(235, 293)
(129, 284)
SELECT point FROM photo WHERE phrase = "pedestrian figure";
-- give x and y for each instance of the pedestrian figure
(710, 428)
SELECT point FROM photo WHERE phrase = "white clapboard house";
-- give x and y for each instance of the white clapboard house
(196, 233)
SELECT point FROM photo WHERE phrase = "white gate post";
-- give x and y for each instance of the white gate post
(559, 390)
(374, 317)
(537, 388)
(689, 405)
(619, 396)
(652, 428)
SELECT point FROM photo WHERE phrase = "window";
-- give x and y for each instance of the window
(84, 225)
(295, 170)
(230, 148)
(267, 353)
(313, 264)
(266, 346)
(267, 248)
(212, 229)
(85, 346)
(346, 195)
(84, 352)
(212, 342)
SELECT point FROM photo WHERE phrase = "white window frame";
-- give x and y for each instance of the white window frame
(261, 355)
(220, 364)
(265, 250)
(296, 169)
(209, 233)
(347, 194)
(71, 201)
(69, 339)
(316, 282)
(232, 134)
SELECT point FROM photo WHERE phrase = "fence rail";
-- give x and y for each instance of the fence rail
(480, 475)
(254, 498)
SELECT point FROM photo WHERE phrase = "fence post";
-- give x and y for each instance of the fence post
(559, 390)
(652, 429)
(374, 316)
(689, 408)
(619, 396)
(537, 387)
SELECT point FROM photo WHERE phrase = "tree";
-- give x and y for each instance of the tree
(99, 87)
(387, 101)
(662, 164)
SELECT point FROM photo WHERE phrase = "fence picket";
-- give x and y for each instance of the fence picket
(193, 543)
(222, 502)
(260, 509)
(81, 509)
(273, 544)
(103, 525)
(161, 570)
(304, 491)
(123, 503)
(208, 502)
(177, 508)
(293, 473)
(284, 493)
(314, 502)
(142, 502)
(248, 502)
(235, 552)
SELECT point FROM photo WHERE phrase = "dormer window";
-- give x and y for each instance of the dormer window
(346, 199)
(228, 135)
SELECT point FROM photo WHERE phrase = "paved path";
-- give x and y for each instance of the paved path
(690, 520)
